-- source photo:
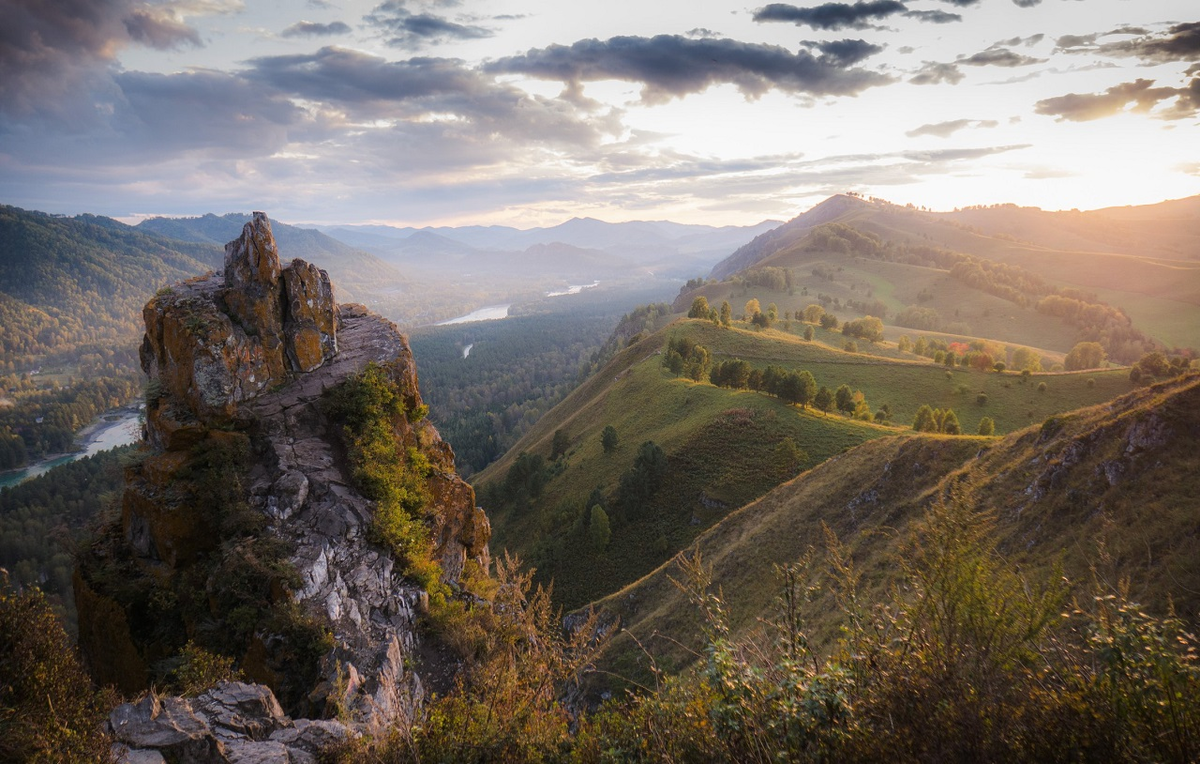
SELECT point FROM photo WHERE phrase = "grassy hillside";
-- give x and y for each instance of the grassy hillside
(1144, 267)
(722, 446)
(1105, 491)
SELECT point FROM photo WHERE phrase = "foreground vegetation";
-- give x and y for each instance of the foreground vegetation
(964, 659)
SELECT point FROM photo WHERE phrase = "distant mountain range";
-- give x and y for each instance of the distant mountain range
(582, 247)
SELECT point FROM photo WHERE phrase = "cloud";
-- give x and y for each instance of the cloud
(438, 90)
(846, 52)
(402, 28)
(1180, 42)
(946, 129)
(999, 57)
(934, 17)
(315, 29)
(160, 31)
(671, 66)
(56, 56)
(831, 15)
(934, 73)
(1084, 107)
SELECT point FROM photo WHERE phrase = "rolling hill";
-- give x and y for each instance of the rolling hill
(1105, 492)
(1140, 260)
(722, 447)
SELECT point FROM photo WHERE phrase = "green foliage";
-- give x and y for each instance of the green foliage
(699, 308)
(1085, 355)
(640, 482)
(726, 313)
(688, 358)
(369, 407)
(609, 440)
(49, 712)
(867, 328)
(200, 669)
(987, 426)
(560, 444)
(809, 333)
(599, 531)
(41, 520)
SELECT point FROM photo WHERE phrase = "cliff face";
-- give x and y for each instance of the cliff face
(238, 437)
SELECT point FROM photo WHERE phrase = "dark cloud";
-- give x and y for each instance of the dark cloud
(369, 87)
(315, 29)
(961, 3)
(831, 15)
(1026, 3)
(934, 17)
(946, 129)
(935, 73)
(1179, 43)
(673, 66)
(57, 56)
(1000, 57)
(402, 28)
(846, 52)
(1140, 94)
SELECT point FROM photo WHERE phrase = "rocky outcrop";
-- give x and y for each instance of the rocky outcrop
(232, 723)
(239, 361)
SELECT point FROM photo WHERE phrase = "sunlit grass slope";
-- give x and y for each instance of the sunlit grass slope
(1107, 491)
(722, 445)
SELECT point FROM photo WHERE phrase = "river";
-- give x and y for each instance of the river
(486, 313)
(101, 435)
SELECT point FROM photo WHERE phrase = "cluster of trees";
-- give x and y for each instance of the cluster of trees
(867, 328)
(929, 419)
(1100, 323)
(768, 277)
(42, 519)
(1155, 366)
(687, 358)
(795, 388)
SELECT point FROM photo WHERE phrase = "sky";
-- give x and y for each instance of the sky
(530, 112)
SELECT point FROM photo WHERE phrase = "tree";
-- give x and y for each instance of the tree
(987, 426)
(904, 344)
(789, 457)
(609, 439)
(823, 399)
(559, 445)
(809, 333)
(950, 424)
(1024, 359)
(726, 313)
(829, 321)
(924, 420)
(844, 397)
(599, 530)
(812, 314)
(752, 308)
(772, 313)
(761, 320)
(1085, 355)
(699, 308)
(798, 388)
